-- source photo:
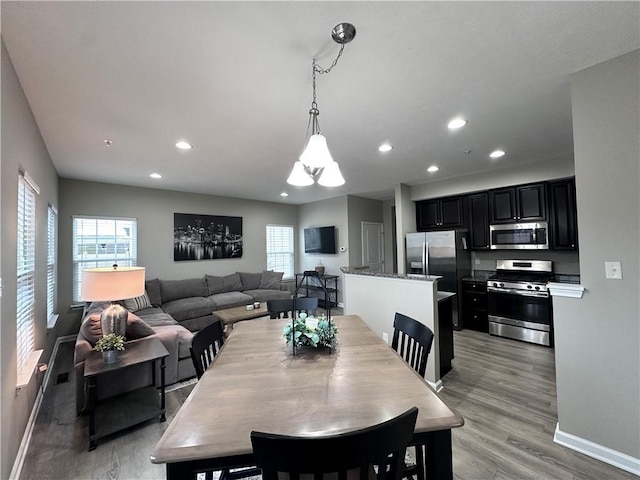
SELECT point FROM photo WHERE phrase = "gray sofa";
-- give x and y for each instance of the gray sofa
(172, 310)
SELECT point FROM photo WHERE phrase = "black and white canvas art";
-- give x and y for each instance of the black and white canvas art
(206, 237)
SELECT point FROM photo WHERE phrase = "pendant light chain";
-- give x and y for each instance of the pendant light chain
(315, 68)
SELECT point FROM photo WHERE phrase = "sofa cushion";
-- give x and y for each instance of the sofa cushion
(270, 280)
(152, 288)
(136, 328)
(214, 284)
(155, 317)
(177, 289)
(230, 299)
(250, 281)
(137, 303)
(185, 308)
(263, 294)
(232, 283)
(184, 338)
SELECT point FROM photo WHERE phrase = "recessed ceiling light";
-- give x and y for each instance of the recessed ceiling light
(433, 168)
(496, 154)
(108, 143)
(385, 147)
(184, 145)
(457, 123)
(155, 175)
(284, 194)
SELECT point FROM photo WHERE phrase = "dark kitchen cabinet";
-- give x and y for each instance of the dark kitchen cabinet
(562, 214)
(478, 220)
(439, 213)
(474, 305)
(522, 203)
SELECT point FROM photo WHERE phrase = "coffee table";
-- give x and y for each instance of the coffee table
(229, 316)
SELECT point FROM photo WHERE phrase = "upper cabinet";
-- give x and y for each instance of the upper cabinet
(562, 213)
(440, 213)
(478, 220)
(522, 203)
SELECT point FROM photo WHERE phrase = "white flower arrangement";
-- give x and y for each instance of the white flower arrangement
(315, 332)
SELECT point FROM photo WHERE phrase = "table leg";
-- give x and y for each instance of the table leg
(439, 461)
(92, 412)
(162, 405)
(179, 471)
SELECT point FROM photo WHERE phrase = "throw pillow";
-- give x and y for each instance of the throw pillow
(136, 328)
(232, 283)
(250, 281)
(271, 280)
(214, 284)
(91, 329)
(138, 303)
(152, 287)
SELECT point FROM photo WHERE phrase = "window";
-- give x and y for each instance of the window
(280, 251)
(26, 266)
(52, 226)
(102, 242)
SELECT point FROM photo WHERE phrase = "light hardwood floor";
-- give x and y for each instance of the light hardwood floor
(504, 389)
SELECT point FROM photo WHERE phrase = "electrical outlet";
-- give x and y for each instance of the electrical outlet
(385, 337)
(477, 261)
(613, 270)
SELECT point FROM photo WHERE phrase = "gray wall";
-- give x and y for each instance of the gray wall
(598, 336)
(360, 210)
(154, 211)
(22, 146)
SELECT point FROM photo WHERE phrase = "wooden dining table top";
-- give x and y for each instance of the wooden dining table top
(256, 383)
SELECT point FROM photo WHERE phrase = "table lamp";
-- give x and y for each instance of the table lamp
(111, 284)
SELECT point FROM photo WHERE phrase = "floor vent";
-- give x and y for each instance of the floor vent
(62, 377)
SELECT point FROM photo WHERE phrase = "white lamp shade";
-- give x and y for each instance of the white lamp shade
(109, 284)
(316, 154)
(331, 176)
(299, 177)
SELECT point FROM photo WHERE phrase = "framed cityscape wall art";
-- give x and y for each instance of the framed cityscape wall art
(206, 237)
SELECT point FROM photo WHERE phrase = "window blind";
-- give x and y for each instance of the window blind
(52, 225)
(26, 263)
(102, 242)
(280, 249)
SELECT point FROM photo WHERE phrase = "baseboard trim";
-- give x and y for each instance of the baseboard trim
(599, 452)
(438, 386)
(26, 438)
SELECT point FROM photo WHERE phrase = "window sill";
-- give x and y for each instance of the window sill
(51, 323)
(28, 369)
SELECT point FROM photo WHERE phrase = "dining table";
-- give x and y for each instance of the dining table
(258, 383)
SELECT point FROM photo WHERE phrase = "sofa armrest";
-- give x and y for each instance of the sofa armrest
(284, 287)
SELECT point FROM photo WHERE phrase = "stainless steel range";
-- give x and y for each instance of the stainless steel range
(519, 305)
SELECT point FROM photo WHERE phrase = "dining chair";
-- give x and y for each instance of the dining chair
(205, 346)
(381, 446)
(282, 308)
(412, 340)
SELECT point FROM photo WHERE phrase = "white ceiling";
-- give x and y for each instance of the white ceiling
(234, 79)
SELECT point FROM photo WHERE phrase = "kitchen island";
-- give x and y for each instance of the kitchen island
(377, 296)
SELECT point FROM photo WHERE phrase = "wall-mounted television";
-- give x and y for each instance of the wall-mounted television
(320, 240)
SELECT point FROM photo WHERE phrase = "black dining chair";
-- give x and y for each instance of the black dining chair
(282, 308)
(380, 447)
(205, 346)
(412, 340)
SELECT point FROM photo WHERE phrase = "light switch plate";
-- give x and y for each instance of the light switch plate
(613, 270)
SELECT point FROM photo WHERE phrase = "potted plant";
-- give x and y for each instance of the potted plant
(110, 345)
(315, 332)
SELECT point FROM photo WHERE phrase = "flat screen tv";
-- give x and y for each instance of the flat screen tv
(320, 240)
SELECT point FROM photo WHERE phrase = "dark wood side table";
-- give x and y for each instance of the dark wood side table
(131, 408)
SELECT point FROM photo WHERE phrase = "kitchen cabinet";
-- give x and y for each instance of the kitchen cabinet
(445, 334)
(478, 220)
(474, 305)
(563, 226)
(522, 203)
(439, 213)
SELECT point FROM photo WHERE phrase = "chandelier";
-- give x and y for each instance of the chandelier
(316, 163)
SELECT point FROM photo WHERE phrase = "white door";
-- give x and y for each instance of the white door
(373, 246)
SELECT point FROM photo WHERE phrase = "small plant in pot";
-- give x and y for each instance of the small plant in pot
(110, 345)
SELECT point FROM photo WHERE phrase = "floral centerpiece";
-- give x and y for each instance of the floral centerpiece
(314, 332)
(110, 345)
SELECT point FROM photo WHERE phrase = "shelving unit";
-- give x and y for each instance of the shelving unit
(324, 287)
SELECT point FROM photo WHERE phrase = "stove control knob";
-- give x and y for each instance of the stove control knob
(501, 285)
(537, 288)
(530, 287)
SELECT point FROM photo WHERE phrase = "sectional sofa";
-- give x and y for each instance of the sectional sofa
(172, 310)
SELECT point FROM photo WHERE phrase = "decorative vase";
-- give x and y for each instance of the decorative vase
(110, 356)
(114, 320)
(320, 268)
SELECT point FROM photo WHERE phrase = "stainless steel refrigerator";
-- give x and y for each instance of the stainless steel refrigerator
(445, 254)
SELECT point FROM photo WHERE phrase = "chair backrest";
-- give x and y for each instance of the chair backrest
(382, 445)
(282, 308)
(412, 340)
(205, 346)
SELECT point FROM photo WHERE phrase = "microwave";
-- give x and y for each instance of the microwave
(516, 236)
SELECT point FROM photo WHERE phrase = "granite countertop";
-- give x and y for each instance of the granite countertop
(410, 276)
(445, 295)
(480, 275)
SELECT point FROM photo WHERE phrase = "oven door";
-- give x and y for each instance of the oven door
(523, 316)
